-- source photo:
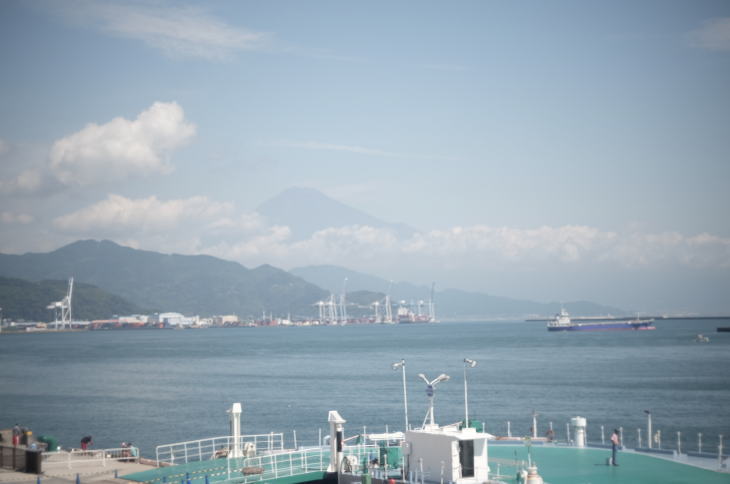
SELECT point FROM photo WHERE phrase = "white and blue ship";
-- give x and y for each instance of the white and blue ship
(563, 322)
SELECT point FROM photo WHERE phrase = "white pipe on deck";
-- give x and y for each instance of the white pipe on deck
(235, 412)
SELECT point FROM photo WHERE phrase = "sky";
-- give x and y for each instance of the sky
(552, 151)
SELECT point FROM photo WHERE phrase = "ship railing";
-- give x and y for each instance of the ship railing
(673, 443)
(91, 457)
(216, 447)
(246, 470)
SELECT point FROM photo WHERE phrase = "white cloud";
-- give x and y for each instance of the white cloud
(27, 181)
(178, 31)
(17, 176)
(713, 35)
(568, 243)
(120, 215)
(122, 148)
(15, 218)
(581, 247)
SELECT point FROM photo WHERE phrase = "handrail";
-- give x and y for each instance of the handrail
(215, 447)
(75, 456)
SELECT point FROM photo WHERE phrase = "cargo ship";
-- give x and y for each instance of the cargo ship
(562, 322)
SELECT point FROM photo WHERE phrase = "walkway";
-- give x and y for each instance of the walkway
(570, 465)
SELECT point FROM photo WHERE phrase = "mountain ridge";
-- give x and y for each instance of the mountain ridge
(191, 284)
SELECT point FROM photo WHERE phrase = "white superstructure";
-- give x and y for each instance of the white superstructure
(561, 320)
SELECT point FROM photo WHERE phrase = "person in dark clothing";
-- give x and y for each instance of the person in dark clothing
(86, 442)
(615, 442)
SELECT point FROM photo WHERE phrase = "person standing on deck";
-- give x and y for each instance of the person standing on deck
(86, 441)
(16, 435)
(615, 442)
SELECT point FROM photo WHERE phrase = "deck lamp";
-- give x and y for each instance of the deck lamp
(429, 392)
(468, 363)
(402, 365)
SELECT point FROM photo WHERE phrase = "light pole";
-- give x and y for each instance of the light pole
(467, 364)
(429, 392)
(402, 365)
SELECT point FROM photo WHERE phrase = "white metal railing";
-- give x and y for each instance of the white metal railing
(71, 458)
(679, 442)
(215, 447)
(291, 463)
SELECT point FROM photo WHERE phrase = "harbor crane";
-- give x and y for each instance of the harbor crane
(62, 309)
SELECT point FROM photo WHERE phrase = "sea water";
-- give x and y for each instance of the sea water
(153, 387)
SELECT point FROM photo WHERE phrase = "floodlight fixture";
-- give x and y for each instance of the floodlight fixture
(429, 392)
(468, 363)
(402, 365)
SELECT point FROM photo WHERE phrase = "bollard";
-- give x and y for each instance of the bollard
(638, 437)
(509, 430)
(603, 436)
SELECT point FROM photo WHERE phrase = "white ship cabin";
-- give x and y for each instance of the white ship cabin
(447, 454)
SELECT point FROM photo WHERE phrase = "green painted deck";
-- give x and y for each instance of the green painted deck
(557, 465)
(286, 468)
(568, 465)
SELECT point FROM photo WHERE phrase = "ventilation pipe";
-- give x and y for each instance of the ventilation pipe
(336, 440)
(579, 426)
(235, 412)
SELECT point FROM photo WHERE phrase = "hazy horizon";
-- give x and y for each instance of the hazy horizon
(544, 151)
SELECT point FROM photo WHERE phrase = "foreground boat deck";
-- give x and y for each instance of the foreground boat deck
(557, 465)
(570, 465)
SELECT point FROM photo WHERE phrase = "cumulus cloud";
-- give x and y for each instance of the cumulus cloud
(15, 218)
(27, 181)
(178, 31)
(118, 215)
(578, 246)
(713, 35)
(122, 148)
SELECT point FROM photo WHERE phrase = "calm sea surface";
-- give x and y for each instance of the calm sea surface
(156, 387)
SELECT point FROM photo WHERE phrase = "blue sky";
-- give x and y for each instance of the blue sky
(549, 150)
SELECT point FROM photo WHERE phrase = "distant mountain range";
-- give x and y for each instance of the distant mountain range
(306, 211)
(450, 303)
(127, 279)
(24, 300)
(188, 284)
